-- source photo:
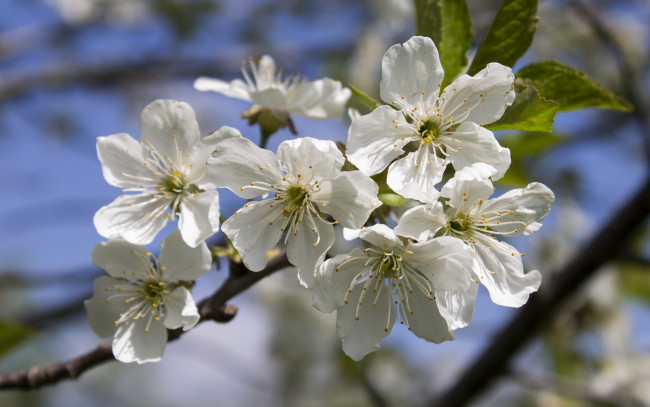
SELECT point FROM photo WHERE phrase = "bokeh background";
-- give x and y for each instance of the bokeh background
(73, 70)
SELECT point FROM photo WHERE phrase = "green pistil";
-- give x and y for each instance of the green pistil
(460, 226)
(154, 291)
(175, 183)
(429, 131)
(294, 197)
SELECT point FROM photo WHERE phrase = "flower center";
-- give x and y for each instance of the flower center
(175, 182)
(461, 227)
(295, 197)
(429, 131)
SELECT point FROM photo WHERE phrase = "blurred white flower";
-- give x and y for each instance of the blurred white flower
(469, 215)
(427, 286)
(144, 296)
(445, 126)
(308, 185)
(166, 171)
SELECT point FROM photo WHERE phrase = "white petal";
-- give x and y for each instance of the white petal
(468, 186)
(422, 222)
(446, 262)
(362, 336)
(380, 236)
(132, 343)
(180, 310)
(120, 258)
(201, 153)
(305, 250)
(488, 93)
(499, 267)
(195, 221)
(349, 198)
(102, 314)
(171, 127)
(376, 139)
(272, 98)
(411, 70)
(457, 307)
(182, 262)
(122, 161)
(251, 233)
(136, 218)
(331, 284)
(319, 99)
(236, 89)
(311, 158)
(528, 205)
(478, 145)
(237, 163)
(416, 175)
(425, 320)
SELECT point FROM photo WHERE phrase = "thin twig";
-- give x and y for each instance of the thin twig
(213, 308)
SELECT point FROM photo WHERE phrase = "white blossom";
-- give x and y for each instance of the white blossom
(439, 126)
(469, 215)
(267, 87)
(163, 176)
(144, 296)
(307, 185)
(426, 285)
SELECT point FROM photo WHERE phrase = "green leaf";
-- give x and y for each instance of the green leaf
(522, 146)
(449, 25)
(529, 112)
(11, 334)
(391, 199)
(571, 88)
(509, 36)
(368, 101)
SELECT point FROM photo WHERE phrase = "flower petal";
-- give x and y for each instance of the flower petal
(311, 158)
(334, 277)
(237, 163)
(121, 259)
(445, 261)
(180, 310)
(251, 232)
(122, 161)
(411, 74)
(376, 139)
(425, 320)
(132, 343)
(318, 99)
(272, 98)
(416, 175)
(201, 153)
(136, 218)
(349, 198)
(171, 128)
(199, 216)
(306, 250)
(521, 209)
(235, 89)
(499, 267)
(469, 185)
(475, 144)
(102, 313)
(422, 222)
(180, 262)
(457, 307)
(488, 93)
(380, 236)
(362, 336)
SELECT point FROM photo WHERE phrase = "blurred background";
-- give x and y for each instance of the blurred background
(73, 70)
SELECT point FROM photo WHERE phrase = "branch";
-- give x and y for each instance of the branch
(212, 308)
(543, 306)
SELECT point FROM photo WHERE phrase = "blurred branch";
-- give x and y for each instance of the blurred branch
(576, 390)
(543, 306)
(212, 308)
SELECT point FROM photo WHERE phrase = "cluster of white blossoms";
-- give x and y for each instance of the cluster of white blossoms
(423, 273)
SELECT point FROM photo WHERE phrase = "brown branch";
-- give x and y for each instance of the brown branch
(213, 308)
(543, 306)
